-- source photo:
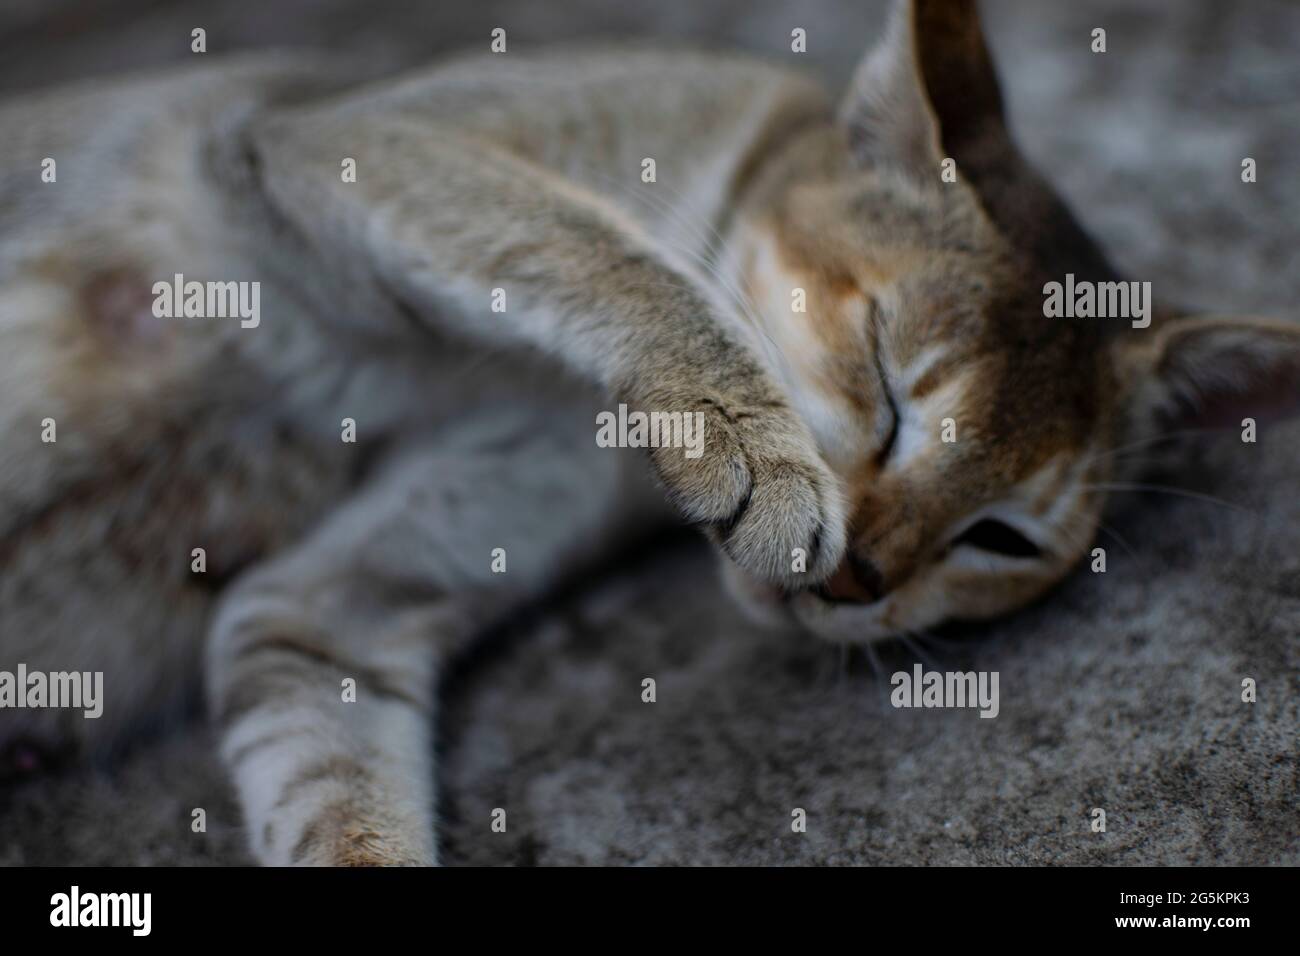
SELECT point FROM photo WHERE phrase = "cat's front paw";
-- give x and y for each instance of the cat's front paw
(758, 485)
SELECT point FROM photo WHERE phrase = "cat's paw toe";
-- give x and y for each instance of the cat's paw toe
(790, 529)
(762, 491)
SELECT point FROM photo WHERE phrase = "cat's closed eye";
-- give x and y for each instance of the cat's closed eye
(998, 537)
(891, 437)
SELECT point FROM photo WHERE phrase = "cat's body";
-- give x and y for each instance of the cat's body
(174, 434)
(180, 433)
(475, 427)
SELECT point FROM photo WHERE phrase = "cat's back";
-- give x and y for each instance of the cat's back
(664, 132)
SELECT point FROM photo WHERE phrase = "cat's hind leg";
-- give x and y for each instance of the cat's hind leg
(322, 663)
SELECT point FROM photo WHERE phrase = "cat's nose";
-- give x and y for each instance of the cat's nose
(856, 581)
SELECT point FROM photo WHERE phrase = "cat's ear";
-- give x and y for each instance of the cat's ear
(1209, 372)
(926, 92)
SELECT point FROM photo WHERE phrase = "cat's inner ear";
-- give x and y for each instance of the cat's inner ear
(926, 92)
(1210, 372)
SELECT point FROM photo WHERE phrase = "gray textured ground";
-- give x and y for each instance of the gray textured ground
(1121, 691)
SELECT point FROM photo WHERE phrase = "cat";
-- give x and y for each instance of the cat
(918, 443)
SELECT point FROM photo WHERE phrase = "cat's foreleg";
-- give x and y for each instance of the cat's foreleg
(322, 663)
(457, 233)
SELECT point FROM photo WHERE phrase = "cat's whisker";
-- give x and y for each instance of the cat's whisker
(1078, 535)
(1107, 529)
(873, 660)
(1149, 440)
(925, 635)
(879, 684)
(714, 246)
(917, 650)
(1168, 490)
(920, 637)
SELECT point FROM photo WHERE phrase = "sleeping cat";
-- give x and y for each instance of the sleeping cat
(917, 443)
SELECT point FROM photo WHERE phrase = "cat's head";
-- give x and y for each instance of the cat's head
(897, 264)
